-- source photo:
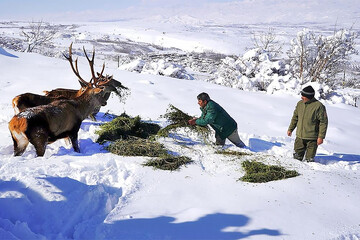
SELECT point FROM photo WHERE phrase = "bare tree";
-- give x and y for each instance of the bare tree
(318, 58)
(38, 34)
(268, 42)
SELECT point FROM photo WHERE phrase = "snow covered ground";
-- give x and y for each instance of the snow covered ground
(98, 195)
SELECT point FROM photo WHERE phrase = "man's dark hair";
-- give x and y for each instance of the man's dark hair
(203, 96)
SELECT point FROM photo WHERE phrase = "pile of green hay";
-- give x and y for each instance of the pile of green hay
(168, 162)
(179, 119)
(134, 146)
(124, 126)
(132, 137)
(257, 172)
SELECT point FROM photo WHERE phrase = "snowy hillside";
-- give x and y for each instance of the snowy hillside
(197, 46)
(99, 195)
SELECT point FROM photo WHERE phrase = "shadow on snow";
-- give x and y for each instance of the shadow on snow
(212, 226)
(336, 157)
(70, 209)
(259, 145)
(71, 206)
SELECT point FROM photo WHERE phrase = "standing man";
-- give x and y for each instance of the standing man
(213, 114)
(311, 121)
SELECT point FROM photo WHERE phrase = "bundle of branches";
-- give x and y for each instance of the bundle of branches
(179, 119)
(258, 172)
(124, 126)
(168, 162)
(134, 146)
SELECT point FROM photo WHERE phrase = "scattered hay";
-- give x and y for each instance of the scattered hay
(133, 146)
(124, 126)
(168, 162)
(257, 172)
(233, 153)
(132, 137)
(179, 119)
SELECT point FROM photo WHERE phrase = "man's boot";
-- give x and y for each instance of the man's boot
(298, 157)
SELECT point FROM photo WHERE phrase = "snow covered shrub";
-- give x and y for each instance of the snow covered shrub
(254, 71)
(161, 67)
(11, 43)
(318, 58)
(257, 172)
(133, 66)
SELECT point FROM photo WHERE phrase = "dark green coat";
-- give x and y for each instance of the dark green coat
(310, 119)
(214, 115)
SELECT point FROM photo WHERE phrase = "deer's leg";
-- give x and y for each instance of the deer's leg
(75, 143)
(73, 135)
(39, 138)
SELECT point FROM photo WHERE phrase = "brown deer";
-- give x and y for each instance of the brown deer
(45, 124)
(101, 80)
(28, 100)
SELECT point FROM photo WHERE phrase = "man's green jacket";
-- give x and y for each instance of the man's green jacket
(310, 119)
(218, 118)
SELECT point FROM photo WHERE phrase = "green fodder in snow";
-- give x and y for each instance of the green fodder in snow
(133, 146)
(124, 126)
(257, 172)
(233, 153)
(168, 162)
(179, 119)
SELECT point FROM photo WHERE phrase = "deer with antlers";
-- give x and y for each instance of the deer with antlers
(59, 117)
(28, 100)
(45, 124)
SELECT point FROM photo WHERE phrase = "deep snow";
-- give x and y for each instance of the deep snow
(98, 195)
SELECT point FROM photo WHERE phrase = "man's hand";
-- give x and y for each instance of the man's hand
(192, 121)
(289, 133)
(320, 141)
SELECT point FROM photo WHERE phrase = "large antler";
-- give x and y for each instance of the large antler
(96, 80)
(75, 69)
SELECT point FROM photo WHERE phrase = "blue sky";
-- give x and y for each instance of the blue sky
(39, 8)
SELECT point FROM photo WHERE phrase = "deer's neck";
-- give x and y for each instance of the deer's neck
(86, 105)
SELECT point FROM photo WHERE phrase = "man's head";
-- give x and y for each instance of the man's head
(203, 99)
(307, 93)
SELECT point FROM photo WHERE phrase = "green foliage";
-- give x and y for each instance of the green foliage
(133, 146)
(258, 172)
(168, 162)
(179, 119)
(124, 126)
